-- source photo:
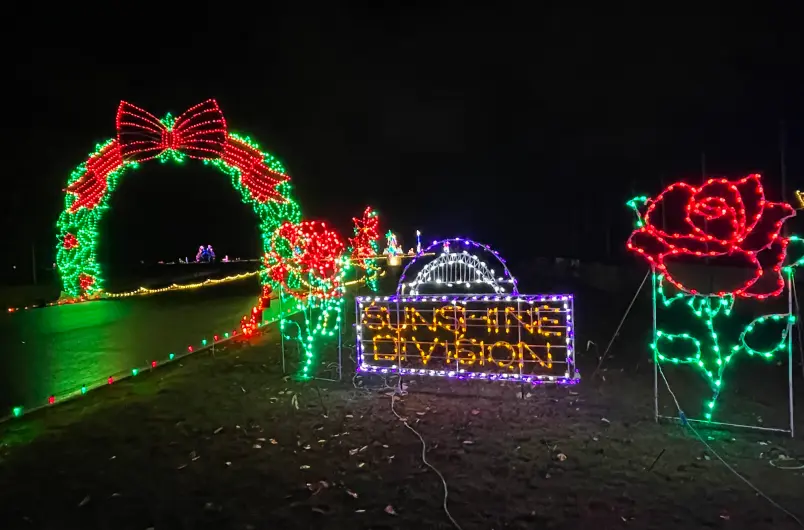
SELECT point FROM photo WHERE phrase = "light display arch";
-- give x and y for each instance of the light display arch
(200, 133)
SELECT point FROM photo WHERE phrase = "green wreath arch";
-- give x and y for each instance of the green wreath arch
(199, 133)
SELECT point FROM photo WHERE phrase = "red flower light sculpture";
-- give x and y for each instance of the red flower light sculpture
(314, 257)
(722, 218)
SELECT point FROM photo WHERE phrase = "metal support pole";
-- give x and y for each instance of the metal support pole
(398, 347)
(358, 338)
(798, 325)
(790, 348)
(655, 352)
(282, 329)
(519, 344)
(340, 342)
(457, 340)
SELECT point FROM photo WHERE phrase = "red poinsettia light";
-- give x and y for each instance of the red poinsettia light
(69, 241)
(364, 244)
(86, 281)
(721, 219)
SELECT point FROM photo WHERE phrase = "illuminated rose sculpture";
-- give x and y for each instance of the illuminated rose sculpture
(305, 259)
(725, 222)
(721, 219)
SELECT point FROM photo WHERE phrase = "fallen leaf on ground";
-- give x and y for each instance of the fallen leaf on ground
(219, 429)
(257, 446)
(390, 510)
(273, 442)
(318, 486)
(561, 457)
(305, 466)
(352, 493)
(83, 502)
(605, 420)
(352, 452)
(475, 412)
(468, 442)
(260, 439)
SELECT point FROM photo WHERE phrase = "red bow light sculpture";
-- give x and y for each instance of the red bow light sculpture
(199, 132)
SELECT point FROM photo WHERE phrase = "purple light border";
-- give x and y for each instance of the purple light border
(474, 376)
(465, 375)
(465, 241)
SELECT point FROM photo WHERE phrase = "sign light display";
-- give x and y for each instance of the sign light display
(525, 338)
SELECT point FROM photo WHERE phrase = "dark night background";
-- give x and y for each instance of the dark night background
(524, 128)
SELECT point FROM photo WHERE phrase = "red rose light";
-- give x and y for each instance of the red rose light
(722, 218)
(314, 253)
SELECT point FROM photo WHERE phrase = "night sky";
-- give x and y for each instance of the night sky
(526, 129)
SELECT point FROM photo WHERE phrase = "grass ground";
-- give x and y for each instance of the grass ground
(228, 442)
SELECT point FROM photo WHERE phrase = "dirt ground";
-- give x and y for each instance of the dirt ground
(227, 442)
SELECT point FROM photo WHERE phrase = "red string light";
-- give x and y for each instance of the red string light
(722, 218)
(249, 324)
